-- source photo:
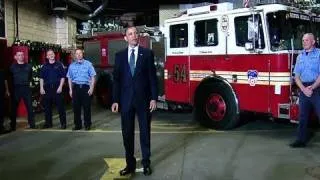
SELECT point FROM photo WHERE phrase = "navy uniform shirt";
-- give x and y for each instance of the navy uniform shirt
(21, 74)
(52, 73)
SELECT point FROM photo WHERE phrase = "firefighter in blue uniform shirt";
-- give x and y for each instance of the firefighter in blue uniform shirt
(307, 77)
(52, 77)
(21, 73)
(81, 80)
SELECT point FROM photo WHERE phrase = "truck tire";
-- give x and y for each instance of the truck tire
(216, 106)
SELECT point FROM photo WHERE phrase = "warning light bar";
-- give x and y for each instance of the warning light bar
(207, 9)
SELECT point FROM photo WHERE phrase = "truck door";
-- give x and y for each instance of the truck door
(177, 62)
(251, 62)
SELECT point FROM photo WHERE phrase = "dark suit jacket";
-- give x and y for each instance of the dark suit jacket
(139, 89)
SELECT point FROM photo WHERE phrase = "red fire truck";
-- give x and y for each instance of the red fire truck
(223, 60)
(101, 48)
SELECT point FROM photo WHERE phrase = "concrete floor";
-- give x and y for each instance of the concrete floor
(181, 149)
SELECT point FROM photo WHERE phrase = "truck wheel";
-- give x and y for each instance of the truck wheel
(216, 106)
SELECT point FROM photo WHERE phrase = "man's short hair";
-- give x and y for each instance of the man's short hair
(49, 50)
(80, 49)
(128, 27)
(311, 35)
(18, 52)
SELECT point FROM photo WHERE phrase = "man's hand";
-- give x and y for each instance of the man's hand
(42, 91)
(7, 93)
(70, 93)
(310, 87)
(307, 91)
(115, 107)
(153, 105)
(90, 91)
(59, 90)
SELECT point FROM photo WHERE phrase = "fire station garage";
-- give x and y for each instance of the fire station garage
(227, 101)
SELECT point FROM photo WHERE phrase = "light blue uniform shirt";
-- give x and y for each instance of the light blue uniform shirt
(81, 73)
(308, 65)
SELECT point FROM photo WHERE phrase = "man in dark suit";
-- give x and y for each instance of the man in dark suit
(135, 92)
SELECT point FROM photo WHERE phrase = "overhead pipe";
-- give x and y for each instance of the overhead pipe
(16, 4)
(80, 5)
(91, 15)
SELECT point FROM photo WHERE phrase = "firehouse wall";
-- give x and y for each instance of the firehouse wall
(38, 22)
(35, 24)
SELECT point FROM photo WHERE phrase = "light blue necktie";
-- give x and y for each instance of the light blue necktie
(132, 62)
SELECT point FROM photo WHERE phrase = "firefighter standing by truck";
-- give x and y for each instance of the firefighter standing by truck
(81, 80)
(22, 74)
(52, 77)
(4, 90)
(307, 77)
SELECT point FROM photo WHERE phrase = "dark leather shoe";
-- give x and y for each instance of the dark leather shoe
(46, 126)
(76, 128)
(3, 130)
(87, 128)
(31, 127)
(298, 144)
(127, 171)
(63, 126)
(147, 171)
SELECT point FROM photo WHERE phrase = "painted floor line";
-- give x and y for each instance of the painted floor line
(154, 132)
(111, 131)
(173, 127)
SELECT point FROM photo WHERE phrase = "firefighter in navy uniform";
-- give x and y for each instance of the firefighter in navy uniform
(21, 73)
(4, 90)
(52, 77)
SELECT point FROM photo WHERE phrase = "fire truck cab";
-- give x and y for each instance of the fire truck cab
(223, 60)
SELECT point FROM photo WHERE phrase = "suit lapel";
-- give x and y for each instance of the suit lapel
(139, 61)
(125, 53)
(126, 66)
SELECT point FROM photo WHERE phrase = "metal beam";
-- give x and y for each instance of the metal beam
(80, 5)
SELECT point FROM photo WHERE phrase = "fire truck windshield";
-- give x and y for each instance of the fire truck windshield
(287, 28)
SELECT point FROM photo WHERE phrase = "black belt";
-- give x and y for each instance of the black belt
(307, 83)
(81, 85)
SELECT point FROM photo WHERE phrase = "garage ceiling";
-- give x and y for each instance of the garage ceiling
(119, 7)
(139, 5)
(147, 11)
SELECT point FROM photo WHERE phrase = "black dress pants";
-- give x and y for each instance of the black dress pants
(81, 100)
(24, 93)
(1, 109)
(51, 97)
